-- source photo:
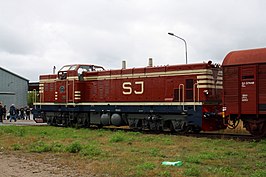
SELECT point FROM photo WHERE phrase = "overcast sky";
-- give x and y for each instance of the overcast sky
(36, 35)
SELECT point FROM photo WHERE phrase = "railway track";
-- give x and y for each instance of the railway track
(237, 137)
(210, 135)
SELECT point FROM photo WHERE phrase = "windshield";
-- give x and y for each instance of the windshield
(82, 68)
(68, 67)
(98, 68)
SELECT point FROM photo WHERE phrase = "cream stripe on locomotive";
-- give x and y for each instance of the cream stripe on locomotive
(205, 77)
(154, 74)
(202, 72)
(208, 81)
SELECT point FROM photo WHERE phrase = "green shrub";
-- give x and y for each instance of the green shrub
(117, 137)
(155, 152)
(146, 166)
(165, 173)
(91, 151)
(15, 130)
(193, 159)
(192, 171)
(39, 146)
(20, 132)
(16, 147)
(258, 173)
(74, 147)
(57, 147)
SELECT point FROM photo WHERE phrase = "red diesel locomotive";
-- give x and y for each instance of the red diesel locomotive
(178, 98)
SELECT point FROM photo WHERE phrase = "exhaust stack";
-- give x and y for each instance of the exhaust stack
(124, 64)
(150, 62)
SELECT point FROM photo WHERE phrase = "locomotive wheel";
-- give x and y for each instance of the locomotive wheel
(80, 122)
(185, 129)
(100, 126)
(53, 121)
(196, 130)
(86, 123)
(172, 128)
(257, 127)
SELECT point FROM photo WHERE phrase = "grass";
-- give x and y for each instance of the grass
(134, 154)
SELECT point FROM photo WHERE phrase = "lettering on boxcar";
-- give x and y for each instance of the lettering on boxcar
(244, 97)
(245, 83)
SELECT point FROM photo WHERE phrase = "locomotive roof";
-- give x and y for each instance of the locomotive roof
(242, 57)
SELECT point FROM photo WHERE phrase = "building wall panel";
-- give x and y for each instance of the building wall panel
(13, 89)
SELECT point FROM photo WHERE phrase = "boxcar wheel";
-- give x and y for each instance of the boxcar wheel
(256, 128)
(196, 130)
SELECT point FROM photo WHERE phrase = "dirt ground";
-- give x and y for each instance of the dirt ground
(18, 164)
(42, 165)
(32, 165)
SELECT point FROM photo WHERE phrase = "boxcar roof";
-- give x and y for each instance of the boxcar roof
(245, 57)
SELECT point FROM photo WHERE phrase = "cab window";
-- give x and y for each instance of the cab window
(68, 67)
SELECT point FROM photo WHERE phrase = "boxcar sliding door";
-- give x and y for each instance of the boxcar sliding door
(249, 89)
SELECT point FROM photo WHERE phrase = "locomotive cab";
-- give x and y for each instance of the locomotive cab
(69, 82)
(76, 70)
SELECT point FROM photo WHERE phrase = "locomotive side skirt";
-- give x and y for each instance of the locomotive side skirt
(166, 116)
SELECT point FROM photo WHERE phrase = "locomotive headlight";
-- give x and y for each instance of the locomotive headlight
(224, 109)
(206, 92)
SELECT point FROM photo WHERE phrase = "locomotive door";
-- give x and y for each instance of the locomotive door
(64, 91)
(248, 92)
(70, 90)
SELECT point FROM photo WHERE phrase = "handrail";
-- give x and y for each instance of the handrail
(194, 95)
(183, 95)
(73, 91)
(41, 91)
(35, 98)
(66, 91)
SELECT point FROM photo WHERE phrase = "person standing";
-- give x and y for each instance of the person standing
(22, 114)
(1, 112)
(13, 113)
(28, 113)
(4, 112)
